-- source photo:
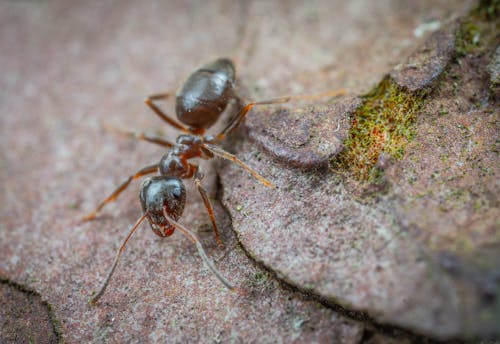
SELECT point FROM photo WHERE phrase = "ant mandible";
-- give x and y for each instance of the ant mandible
(199, 104)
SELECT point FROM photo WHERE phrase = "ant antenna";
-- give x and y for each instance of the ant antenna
(201, 251)
(96, 297)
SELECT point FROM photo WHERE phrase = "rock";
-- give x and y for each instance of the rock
(72, 69)
(25, 317)
(423, 66)
(304, 138)
(422, 254)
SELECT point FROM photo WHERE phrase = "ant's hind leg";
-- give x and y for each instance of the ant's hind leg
(208, 205)
(150, 102)
(243, 112)
(142, 172)
(159, 96)
(328, 94)
(245, 109)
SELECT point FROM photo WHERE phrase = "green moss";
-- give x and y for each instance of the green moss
(56, 324)
(468, 37)
(478, 30)
(382, 124)
(259, 276)
(488, 10)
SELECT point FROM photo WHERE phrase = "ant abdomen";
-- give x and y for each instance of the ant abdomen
(161, 192)
(205, 94)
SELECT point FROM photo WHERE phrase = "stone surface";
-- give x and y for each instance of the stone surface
(450, 174)
(494, 71)
(304, 138)
(427, 63)
(326, 241)
(423, 252)
(72, 69)
(24, 318)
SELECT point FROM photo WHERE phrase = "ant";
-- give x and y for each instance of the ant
(199, 104)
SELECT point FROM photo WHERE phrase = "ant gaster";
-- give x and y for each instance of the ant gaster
(199, 104)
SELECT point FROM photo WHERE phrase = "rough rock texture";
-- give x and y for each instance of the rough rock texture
(450, 174)
(428, 62)
(72, 69)
(325, 240)
(307, 138)
(24, 318)
(422, 250)
(494, 71)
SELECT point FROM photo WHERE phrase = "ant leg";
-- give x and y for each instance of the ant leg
(329, 94)
(146, 170)
(152, 139)
(208, 205)
(143, 137)
(97, 296)
(225, 155)
(201, 251)
(241, 115)
(150, 102)
(159, 96)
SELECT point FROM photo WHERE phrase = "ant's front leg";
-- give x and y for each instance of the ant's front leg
(198, 176)
(142, 172)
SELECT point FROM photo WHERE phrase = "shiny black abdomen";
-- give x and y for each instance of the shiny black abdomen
(205, 94)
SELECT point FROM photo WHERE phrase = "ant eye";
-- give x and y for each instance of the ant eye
(177, 193)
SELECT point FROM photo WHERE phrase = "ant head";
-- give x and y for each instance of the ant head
(159, 192)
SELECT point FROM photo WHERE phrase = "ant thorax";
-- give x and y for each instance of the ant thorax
(175, 162)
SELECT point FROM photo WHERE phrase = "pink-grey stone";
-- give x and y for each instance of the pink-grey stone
(423, 252)
(72, 69)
